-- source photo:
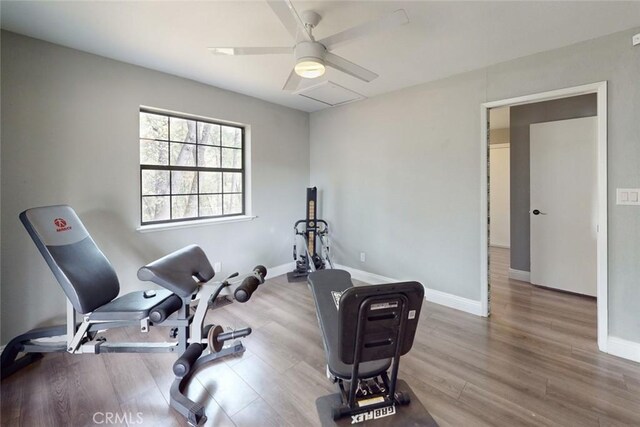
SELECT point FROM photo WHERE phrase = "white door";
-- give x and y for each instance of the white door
(563, 204)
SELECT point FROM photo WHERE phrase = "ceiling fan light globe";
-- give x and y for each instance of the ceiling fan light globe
(309, 69)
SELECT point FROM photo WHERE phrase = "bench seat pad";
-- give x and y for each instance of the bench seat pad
(326, 287)
(131, 306)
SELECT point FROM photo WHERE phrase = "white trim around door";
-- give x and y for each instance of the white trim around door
(599, 88)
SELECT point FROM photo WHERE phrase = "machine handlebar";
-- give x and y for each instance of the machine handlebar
(322, 230)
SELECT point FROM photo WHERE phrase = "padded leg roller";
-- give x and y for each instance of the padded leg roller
(183, 365)
(250, 284)
(165, 309)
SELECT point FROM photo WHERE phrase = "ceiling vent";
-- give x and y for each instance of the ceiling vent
(330, 93)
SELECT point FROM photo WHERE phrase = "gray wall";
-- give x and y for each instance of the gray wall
(400, 173)
(522, 117)
(69, 135)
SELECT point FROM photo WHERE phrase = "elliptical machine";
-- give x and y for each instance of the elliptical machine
(307, 233)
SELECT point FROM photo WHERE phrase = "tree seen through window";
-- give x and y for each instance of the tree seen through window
(189, 168)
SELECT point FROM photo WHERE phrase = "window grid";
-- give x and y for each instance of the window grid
(171, 168)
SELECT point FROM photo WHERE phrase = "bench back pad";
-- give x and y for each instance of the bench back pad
(388, 314)
(84, 272)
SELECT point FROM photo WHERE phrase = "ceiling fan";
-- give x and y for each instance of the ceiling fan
(313, 56)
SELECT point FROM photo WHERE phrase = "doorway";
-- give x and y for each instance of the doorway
(599, 191)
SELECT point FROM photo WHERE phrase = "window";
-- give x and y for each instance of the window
(189, 168)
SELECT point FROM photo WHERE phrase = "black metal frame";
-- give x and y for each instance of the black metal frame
(349, 402)
(170, 168)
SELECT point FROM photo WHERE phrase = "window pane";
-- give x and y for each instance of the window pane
(208, 133)
(153, 152)
(155, 182)
(210, 182)
(231, 137)
(183, 154)
(154, 126)
(184, 182)
(208, 157)
(202, 149)
(231, 158)
(155, 208)
(232, 204)
(232, 182)
(184, 206)
(211, 205)
(182, 130)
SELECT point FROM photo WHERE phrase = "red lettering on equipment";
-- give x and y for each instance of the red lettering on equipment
(61, 225)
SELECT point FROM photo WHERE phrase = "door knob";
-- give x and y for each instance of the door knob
(537, 212)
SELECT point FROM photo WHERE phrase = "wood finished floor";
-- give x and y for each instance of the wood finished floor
(534, 362)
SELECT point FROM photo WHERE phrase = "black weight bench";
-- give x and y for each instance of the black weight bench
(366, 329)
(92, 287)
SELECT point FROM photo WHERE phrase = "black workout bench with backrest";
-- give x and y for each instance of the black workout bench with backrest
(94, 305)
(365, 329)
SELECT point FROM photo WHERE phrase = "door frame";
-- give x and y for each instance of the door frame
(599, 88)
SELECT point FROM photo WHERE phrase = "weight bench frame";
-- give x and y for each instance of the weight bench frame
(92, 290)
(362, 340)
(390, 383)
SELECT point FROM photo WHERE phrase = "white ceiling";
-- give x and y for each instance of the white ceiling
(442, 39)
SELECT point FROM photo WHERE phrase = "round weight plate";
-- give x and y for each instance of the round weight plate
(212, 338)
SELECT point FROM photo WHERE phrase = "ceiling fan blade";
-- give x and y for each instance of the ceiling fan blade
(235, 51)
(396, 19)
(349, 67)
(293, 81)
(289, 18)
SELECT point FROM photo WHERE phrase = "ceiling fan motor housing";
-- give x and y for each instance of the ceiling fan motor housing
(310, 51)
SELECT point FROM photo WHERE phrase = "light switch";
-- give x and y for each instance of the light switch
(628, 196)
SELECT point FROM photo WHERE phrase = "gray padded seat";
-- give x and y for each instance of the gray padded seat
(131, 306)
(322, 283)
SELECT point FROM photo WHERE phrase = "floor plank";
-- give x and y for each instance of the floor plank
(533, 362)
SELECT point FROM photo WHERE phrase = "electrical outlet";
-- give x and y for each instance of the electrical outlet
(636, 39)
(363, 257)
(217, 266)
(628, 196)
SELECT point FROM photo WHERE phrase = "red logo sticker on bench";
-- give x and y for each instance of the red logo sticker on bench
(61, 225)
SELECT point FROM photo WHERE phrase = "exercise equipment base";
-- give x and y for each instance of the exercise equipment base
(294, 276)
(413, 414)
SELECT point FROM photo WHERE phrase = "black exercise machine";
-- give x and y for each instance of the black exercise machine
(307, 232)
(91, 286)
(366, 329)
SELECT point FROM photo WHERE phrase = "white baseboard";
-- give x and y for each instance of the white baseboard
(431, 295)
(524, 276)
(623, 348)
(365, 276)
(615, 346)
(279, 270)
(495, 245)
(453, 301)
